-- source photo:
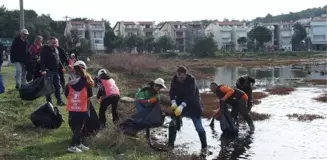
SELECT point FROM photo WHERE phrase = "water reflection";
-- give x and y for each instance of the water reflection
(233, 147)
(282, 75)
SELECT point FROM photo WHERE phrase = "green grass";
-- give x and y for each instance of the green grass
(21, 140)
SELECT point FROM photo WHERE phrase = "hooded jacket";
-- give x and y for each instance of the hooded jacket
(245, 83)
(187, 92)
(78, 83)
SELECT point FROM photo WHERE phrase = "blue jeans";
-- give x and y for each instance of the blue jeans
(20, 76)
(139, 108)
(56, 83)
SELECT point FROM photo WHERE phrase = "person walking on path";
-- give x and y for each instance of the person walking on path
(78, 91)
(18, 56)
(186, 101)
(50, 67)
(108, 94)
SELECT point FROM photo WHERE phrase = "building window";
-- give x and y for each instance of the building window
(98, 41)
(147, 26)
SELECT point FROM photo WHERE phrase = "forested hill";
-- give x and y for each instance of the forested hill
(293, 16)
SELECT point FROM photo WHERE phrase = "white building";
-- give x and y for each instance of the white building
(175, 30)
(285, 35)
(319, 33)
(95, 29)
(128, 28)
(226, 34)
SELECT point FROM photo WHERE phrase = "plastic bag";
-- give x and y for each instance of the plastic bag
(227, 125)
(37, 88)
(47, 116)
(149, 117)
(2, 87)
(92, 124)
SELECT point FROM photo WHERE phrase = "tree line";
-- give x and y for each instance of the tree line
(45, 26)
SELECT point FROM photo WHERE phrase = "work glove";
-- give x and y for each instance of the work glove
(152, 100)
(173, 104)
(178, 111)
(44, 73)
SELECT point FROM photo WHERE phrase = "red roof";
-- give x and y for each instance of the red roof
(128, 22)
(145, 22)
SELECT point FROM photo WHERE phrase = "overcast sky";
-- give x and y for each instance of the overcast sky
(164, 10)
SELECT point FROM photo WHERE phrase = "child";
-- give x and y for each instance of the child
(108, 94)
(77, 91)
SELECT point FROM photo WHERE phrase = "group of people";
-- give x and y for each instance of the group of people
(47, 60)
(33, 61)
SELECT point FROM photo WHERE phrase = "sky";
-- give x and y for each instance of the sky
(164, 10)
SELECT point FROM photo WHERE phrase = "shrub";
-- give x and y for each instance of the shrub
(280, 90)
(322, 98)
(305, 117)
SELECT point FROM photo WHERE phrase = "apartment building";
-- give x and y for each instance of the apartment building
(319, 33)
(194, 32)
(227, 33)
(94, 31)
(285, 35)
(177, 31)
(139, 28)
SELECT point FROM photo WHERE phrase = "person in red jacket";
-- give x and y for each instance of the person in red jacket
(33, 66)
(108, 94)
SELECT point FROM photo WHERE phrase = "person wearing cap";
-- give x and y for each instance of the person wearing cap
(186, 101)
(50, 66)
(148, 96)
(78, 91)
(108, 94)
(18, 56)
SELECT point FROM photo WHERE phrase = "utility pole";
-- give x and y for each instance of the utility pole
(66, 18)
(22, 21)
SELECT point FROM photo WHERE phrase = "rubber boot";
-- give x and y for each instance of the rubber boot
(252, 128)
(203, 139)
(172, 131)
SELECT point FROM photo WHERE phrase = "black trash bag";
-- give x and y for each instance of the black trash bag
(37, 88)
(227, 125)
(47, 116)
(150, 117)
(92, 124)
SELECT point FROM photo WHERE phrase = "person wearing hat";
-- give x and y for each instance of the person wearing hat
(148, 96)
(18, 56)
(186, 101)
(78, 91)
(108, 94)
(51, 67)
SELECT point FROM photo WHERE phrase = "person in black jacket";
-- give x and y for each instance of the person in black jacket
(51, 65)
(186, 101)
(245, 84)
(64, 62)
(18, 56)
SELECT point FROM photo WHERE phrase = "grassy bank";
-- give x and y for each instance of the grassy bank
(21, 140)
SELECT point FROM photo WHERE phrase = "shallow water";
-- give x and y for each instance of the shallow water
(277, 138)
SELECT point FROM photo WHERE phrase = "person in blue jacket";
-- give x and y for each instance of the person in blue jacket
(186, 101)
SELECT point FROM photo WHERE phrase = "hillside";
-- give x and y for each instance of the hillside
(293, 16)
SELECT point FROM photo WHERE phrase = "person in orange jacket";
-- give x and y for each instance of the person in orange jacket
(108, 94)
(78, 91)
(235, 98)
